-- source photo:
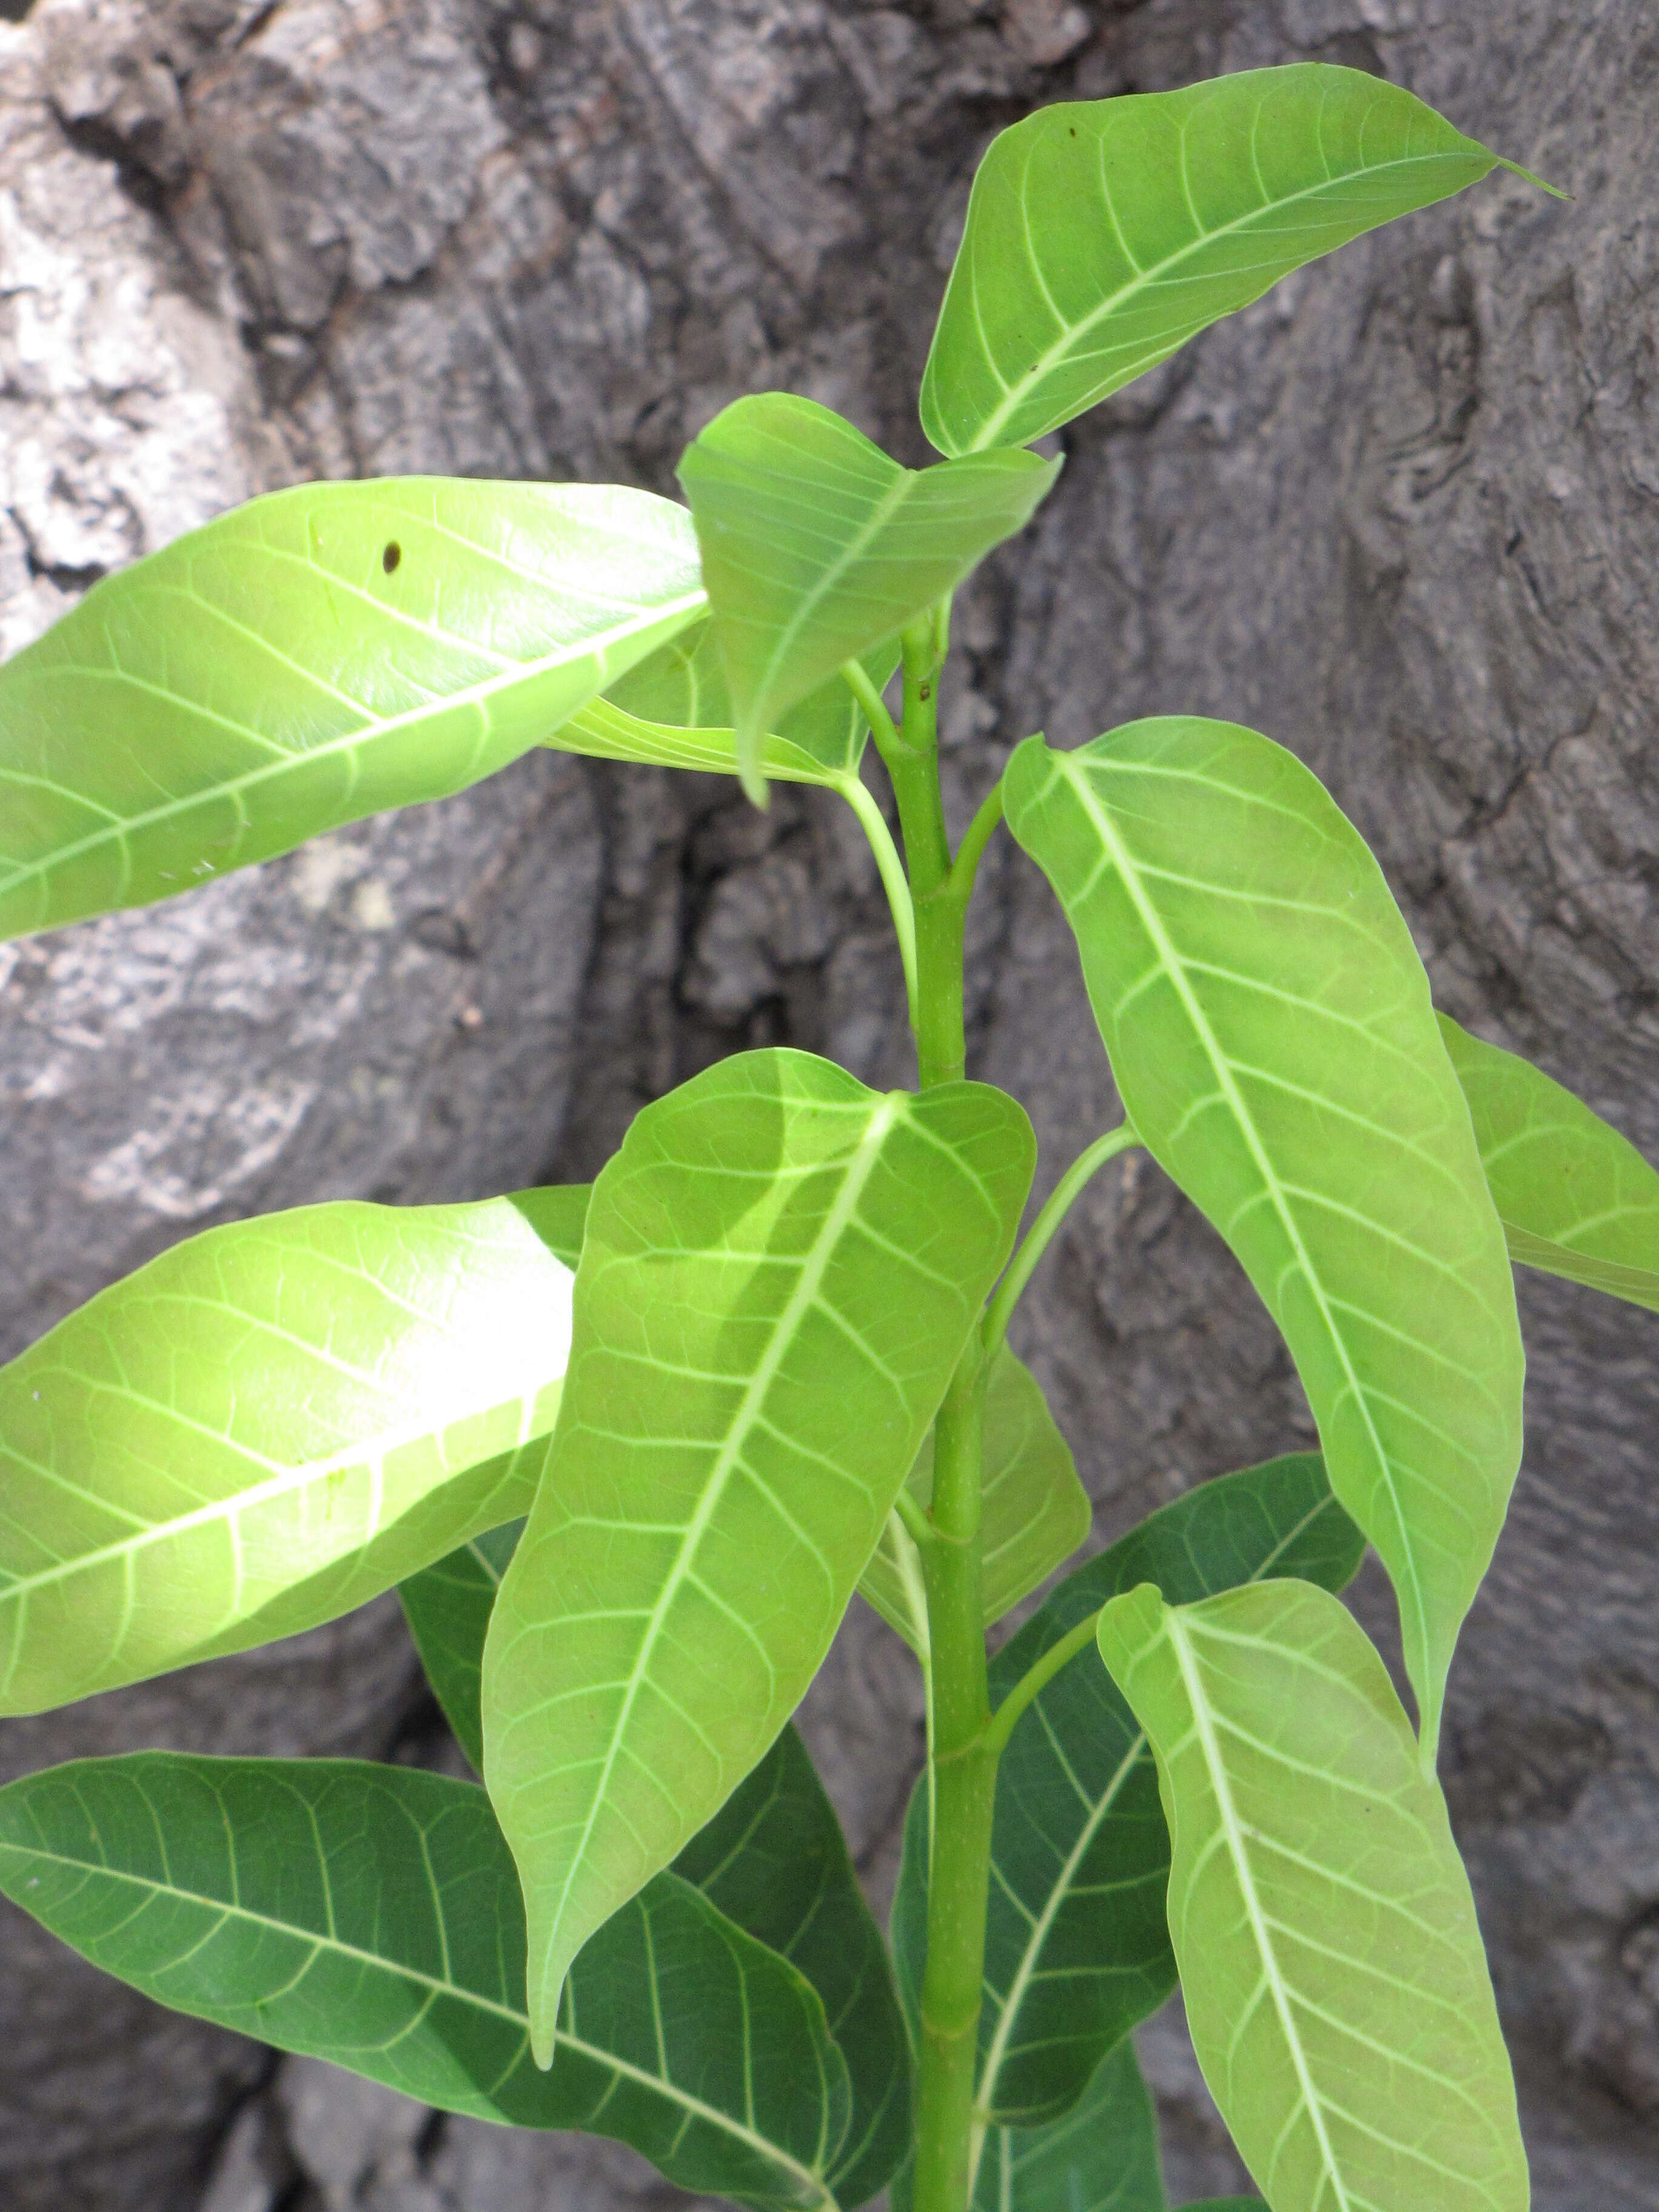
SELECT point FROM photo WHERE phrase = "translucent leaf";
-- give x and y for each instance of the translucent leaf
(1575, 1198)
(816, 546)
(674, 710)
(371, 1915)
(1334, 1980)
(780, 1271)
(1077, 1947)
(1101, 2157)
(1033, 1511)
(311, 658)
(1269, 1027)
(1102, 234)
(268, 1425)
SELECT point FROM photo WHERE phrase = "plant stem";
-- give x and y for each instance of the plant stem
(890, 868)
(1036, 1678)
(1042, 1231)
(941, 1050)
(964, 1765)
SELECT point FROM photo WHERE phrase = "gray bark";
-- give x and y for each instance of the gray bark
(1403, 515)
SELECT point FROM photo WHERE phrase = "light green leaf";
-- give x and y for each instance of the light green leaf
(1033, 1511)
(1575, 1198)
(370, 1915)
(1335, 1983)
(780, 1271)
(1102, 234)
(312, 658)
(674, 710)
(268, 1425)
(816, 546)
(1269, 1027)
(1077, 1948)
(1101, 2157)
(773, 1860)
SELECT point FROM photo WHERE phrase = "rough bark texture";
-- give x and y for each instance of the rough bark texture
(1404, 515)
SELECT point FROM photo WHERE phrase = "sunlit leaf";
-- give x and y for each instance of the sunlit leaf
(1077, 1947)
(780, 1270)
(674, 710)
(314, 658)
(1101, 2157)
(1575, 1198)
(268, 1425)
(1269, 1026)
(816, 546)
(1102, 234)
(371, 1915)
(1033, 1512)
(1334, 1980)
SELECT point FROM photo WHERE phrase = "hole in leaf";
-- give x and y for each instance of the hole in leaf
(390, 558)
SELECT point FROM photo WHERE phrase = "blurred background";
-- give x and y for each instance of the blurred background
(1402, 515)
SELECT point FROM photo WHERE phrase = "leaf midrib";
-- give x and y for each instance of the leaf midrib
(438, 1986)
(1055, 356)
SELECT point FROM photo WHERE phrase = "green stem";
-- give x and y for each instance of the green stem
(1036, 1678)
(941, 1048)
(965, 1768)
(890, 868)
(1042, 1231)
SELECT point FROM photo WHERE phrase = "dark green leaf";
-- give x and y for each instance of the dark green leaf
(311, 658)
(1033, 1511)
(268, 1425)
(447, 1607)
(780, 1270)
(1269, 1025)
(1101, 2157)
(817, 547)
(1331, 1962)
(1102, 234)
(371, 1915)
(1575, 1198)
(1077, 1949)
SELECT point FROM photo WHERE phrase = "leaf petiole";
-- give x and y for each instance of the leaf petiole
(1042, 1232)
(917, 1526)
(1036, 1680)
(862, 801)
(883, 728)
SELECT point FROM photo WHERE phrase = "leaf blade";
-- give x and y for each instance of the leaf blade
(816, 547)
(371, 1915)
(1332, 1967)
(780, 1268)
(265, 1427)
(1105, 233)
(1268, 1022)
(1101, 2156)
(1575, 1197)
(311, 658)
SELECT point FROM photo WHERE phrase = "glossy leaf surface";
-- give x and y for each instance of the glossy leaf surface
(1077, 1947)
(1575, 1198)
(780, 1270)
(1101, 2157)
(371, 1915)
(311, 658)
(817, 546)
(1033, 1511)
(268, 1425)
(1269, 1026)
(1335, 1983)
(1102, 234)
(674, 710)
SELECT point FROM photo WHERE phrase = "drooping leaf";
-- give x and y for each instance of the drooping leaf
(1102, 234)
(674, 710)
(773, 1860)
(371, 1915)
(1033, 1511)
(1332, 1964)
(816, 546)
(1575, 1198)
(780, 1270)
(1077, 1948)
(268, 1425)
(1269, 1026)
(311, 658)
(1101, 2157)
